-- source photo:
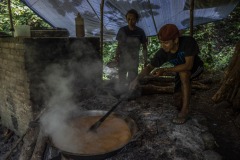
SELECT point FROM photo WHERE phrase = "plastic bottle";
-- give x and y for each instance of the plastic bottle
(79, 23)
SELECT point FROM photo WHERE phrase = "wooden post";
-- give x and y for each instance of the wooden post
(101, 27)
(191, 16)
(10, 16)
(155, 26)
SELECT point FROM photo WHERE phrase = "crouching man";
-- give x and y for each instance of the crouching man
(182, 52)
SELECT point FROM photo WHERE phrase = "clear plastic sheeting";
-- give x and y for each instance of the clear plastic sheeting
(154, 13)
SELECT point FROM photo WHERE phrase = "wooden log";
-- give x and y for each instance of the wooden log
(40, 147)
(152, 89)
(30, 131)
(199, 85)
(161, 84)
(8, 154)
(29, 137)
(29, 142)
(161, 79)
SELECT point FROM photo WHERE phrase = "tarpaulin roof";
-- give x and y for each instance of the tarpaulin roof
(154, 13)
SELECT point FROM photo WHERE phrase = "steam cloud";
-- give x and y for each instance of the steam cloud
(63, 83)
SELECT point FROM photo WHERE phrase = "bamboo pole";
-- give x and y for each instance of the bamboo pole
(155, 26)
(95, 12)
(10, 16)
(101, 27)
(191, 16)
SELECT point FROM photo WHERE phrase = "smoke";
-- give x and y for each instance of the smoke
(60, 103)
(63, 82)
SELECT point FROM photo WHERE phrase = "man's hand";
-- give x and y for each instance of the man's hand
(157, 72)
(146, 70)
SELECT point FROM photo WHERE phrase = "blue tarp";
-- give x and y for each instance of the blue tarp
(154, 13)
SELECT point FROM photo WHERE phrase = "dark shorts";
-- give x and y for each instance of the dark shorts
(194, 74)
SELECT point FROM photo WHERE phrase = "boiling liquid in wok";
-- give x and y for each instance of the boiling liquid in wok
(112, 134)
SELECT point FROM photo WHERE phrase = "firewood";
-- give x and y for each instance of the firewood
(162, 79)
(161, 84)
(32, 130)
(39, 147)
(199, 85)
(8, 154)
(152, 89)
(29, 142)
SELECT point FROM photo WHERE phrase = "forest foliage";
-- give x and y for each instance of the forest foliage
(216, 39)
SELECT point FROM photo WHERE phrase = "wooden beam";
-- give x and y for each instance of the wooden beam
(191, 16)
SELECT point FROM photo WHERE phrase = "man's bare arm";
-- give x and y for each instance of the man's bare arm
(143, 73)
(187, 66)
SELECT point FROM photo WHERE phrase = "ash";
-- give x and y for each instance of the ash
(158, 137)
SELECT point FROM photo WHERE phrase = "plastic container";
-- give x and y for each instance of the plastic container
(79, 23)
(22, 31)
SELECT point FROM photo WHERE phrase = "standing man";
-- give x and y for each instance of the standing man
(182, 52)
(130, 38)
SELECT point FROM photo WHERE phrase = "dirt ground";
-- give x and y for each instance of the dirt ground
(220, 121)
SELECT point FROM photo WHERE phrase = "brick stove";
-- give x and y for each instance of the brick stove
(23, 63)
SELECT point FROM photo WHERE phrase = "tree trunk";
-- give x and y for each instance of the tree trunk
(230, 85)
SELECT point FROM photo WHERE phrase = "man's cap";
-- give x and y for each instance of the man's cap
(168, 32)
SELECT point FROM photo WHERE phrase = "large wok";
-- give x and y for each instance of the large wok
(130, 123)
